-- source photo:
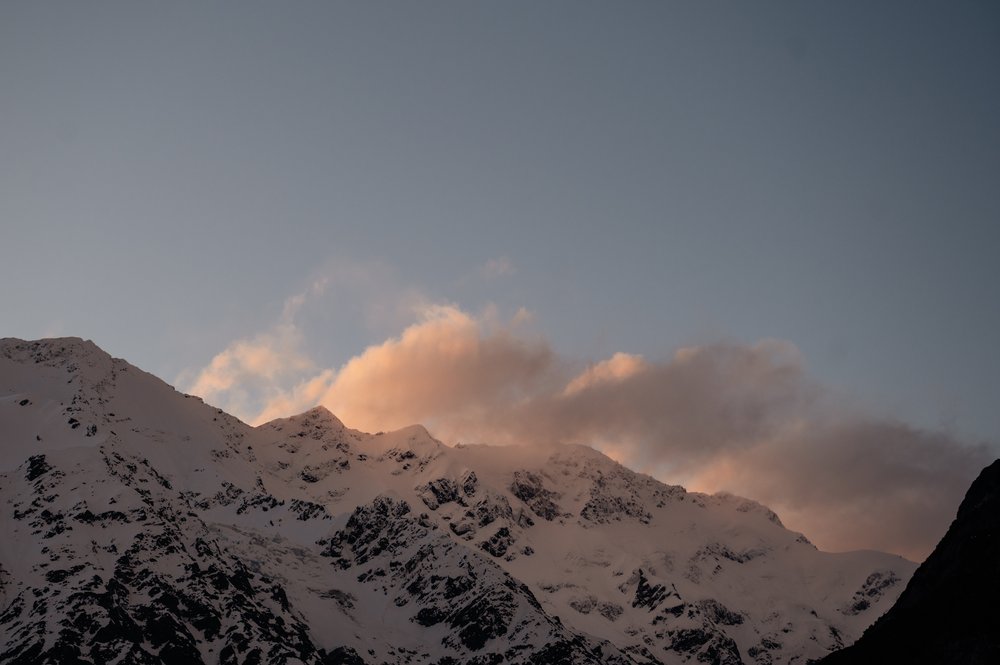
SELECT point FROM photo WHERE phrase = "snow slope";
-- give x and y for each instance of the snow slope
(144, 526)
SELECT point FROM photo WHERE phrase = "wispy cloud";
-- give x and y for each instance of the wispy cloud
(271, 371)
(740, 418)
(248, 370)
(500, 266)
(614, 370)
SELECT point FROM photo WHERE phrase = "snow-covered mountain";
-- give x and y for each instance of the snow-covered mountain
(141, 525)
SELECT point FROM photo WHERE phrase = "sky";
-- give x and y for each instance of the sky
(744, 247)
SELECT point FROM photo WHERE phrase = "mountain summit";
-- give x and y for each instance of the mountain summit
(145, 526)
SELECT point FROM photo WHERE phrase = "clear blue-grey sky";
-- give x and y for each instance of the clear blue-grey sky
(639, 176)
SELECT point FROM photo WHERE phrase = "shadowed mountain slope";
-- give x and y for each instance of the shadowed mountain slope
(949, 613)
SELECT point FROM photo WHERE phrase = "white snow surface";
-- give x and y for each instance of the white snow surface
(142, 525)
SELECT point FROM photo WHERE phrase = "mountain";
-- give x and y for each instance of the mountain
(948, 613)
(144, 526)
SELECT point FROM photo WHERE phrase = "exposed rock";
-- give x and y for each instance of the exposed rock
(439, 492)
(528, 487)
(872, 590)
(498, 543)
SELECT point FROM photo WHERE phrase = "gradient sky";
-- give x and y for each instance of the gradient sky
(638, 176)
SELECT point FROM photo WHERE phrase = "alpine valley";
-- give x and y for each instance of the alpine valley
(141, 525)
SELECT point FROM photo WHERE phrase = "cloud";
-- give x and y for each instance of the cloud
(748, 420)
(248, 368)
(500, 266)
(720, 417)
(615, 369)
(301, 397)
(671, 413)
(855, 484)
(448, 367)
(271, 374)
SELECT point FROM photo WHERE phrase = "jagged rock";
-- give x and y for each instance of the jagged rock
(528, 487)
(36, 467)
(470, 483)
(719, 613)
(492, 508)
(438, 492)
(648, 596)
(873, 589)
(498, 543)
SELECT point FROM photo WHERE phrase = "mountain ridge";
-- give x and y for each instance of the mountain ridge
(116, 486)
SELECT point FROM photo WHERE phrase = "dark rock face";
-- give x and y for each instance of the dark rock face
(719, 613)
(948, 613)
(650, 596)
(157, 601)
(528, 487)
(601, 509)
(372, 530)
(36, 467)
(439, 492)
(873, 588)
(499, 542)
(490, 509)
(473, 598)
(705, 646)
(470, 483)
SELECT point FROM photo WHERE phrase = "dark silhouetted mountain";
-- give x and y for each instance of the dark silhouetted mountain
(949, 613)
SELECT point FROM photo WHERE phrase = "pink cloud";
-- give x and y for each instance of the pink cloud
(448, 366)
(721, 417)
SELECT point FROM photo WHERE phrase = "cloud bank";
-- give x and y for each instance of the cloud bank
(722, 417)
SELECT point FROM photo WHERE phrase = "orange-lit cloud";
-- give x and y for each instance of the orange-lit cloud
(447, 367)
(613, 370)
(733, 417)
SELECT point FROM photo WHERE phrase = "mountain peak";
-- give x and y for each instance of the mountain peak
(320, 412)
(318, 415)
(50, 348)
